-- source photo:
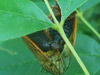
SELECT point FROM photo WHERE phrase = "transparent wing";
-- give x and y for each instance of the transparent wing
(50, 61)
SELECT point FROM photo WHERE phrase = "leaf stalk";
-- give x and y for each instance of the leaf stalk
(87, 24)
(63, 35)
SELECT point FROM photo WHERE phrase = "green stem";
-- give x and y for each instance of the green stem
(62, 22)
(51, 12)
(62, 33)
(88, 24)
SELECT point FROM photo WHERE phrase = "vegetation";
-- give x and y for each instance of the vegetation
(22, 17)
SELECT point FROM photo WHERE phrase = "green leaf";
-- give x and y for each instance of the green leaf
(1, 42)
(89, 4)
(41, 4)
(20, 17)
(68, 6)
(74, 68)
(17, 59)
(91, 15)
(89, 51)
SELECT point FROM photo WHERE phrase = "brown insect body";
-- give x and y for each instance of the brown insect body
(47, 45)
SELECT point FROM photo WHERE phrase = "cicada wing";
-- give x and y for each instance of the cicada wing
(72, 37)
(52, 63)
(34, 48)
(66, 51)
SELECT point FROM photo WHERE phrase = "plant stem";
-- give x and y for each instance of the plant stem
(62, 33)
(62, 22)
(51, 12)
(88, 24)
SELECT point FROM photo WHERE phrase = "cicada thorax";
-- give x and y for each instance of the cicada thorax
(47, 45)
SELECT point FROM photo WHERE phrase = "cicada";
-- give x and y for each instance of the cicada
(49, 47)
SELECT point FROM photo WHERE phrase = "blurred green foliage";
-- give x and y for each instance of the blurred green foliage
(92, 15)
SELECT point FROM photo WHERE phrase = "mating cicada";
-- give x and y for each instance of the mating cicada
(49, 47)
